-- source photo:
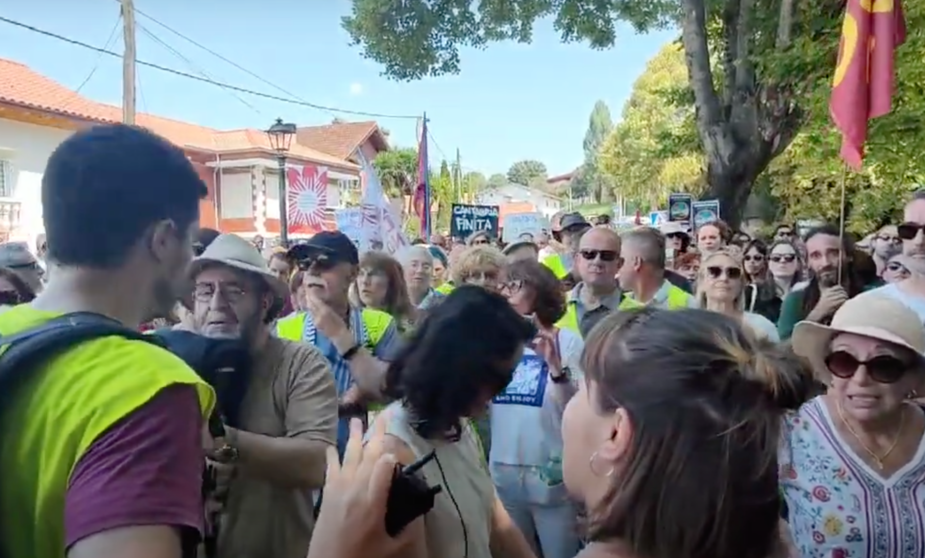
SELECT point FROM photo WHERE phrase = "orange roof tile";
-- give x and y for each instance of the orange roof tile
(339, 139)
(22, 86)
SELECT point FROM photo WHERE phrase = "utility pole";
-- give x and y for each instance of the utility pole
(128, 62)
(458, 177)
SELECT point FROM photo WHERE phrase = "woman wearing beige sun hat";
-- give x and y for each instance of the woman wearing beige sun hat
(852, 461)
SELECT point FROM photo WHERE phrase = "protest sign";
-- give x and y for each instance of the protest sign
(524, 226)
(350, 222)
(705, 211)
(469, 219)
(680, 207)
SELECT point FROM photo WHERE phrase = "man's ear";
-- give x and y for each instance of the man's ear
(164, 234)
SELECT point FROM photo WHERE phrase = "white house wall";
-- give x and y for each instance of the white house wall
(514, 193)
(26, 148)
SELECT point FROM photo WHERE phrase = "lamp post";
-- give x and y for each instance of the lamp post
(280, 134)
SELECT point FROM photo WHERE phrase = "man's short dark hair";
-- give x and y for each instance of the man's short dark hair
(105, 186)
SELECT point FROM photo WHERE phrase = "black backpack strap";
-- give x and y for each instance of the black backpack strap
(27, 349)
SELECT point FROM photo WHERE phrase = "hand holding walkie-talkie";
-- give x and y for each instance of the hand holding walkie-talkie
(410, 497)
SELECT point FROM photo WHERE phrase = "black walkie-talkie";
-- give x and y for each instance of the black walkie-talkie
(409, 496)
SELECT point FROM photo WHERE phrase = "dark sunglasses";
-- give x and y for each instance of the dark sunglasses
(10, 298)
(758, 258)
(321, 262)
(908, 231)
(784, 232)
(786, 258)
(606, 255)
(883, 369)
(716, 272)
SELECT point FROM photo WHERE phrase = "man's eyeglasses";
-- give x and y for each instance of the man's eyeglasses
(716, 272)
(205, 291)
(890, 239)
(321, 262)
(605, 255)
(786, 258)
(908, 231)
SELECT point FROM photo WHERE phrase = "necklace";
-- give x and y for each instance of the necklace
(877, 458)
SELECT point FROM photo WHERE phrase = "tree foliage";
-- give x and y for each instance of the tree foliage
(497, 180)
(397, 170)
(653, 151)
(807, 178)
(749, 62)
(527, 173)
(596, 182)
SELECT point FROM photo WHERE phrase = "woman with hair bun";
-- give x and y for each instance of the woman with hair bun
(687, 400)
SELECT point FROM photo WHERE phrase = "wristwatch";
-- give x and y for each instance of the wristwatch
(563, 377)
(226, 454)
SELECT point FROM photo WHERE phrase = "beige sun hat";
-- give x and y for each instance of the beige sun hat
(869, 314)
(236, 252)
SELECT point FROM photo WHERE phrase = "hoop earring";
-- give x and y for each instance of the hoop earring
(591, 466)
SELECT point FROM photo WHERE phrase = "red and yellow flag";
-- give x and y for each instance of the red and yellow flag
(864, 77)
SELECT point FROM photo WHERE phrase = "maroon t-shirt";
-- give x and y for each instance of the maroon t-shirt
(145, 470)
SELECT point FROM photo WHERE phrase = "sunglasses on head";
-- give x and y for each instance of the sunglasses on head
(716, 272)
(883, 369)
(786, 258)
(908, 231)
(605, 255)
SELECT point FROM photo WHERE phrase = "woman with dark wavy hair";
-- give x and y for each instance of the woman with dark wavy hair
(461, 355)
(525, 458)
(671, 441)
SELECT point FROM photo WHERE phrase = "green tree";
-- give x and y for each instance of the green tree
(653, 151)
(593, 180)
(807, 178)
(497, 180)
(444, 196)
(527, 173)
(472, 184)
(749, 62)
(397, 170)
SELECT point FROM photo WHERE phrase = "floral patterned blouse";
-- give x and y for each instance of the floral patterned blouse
(839, 507)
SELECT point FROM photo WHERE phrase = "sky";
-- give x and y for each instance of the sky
(509, 102)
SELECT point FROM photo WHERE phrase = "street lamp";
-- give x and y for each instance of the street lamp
(280, 134)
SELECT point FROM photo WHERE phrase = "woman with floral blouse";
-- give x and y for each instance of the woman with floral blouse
(853, 460)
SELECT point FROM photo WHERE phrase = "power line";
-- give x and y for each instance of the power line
(217, 55)
(192, 66)
(96, 65)
(202, 79)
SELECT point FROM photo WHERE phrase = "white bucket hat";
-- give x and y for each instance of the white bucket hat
(233, 251)
(869, 314)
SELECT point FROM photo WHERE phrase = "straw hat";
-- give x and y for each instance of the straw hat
(869, 314)
(236, 252)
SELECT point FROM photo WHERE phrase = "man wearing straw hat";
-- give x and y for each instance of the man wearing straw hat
(288, 414)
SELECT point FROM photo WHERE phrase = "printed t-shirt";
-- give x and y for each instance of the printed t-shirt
(291, 395)
(526, 421)
(106, 435)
